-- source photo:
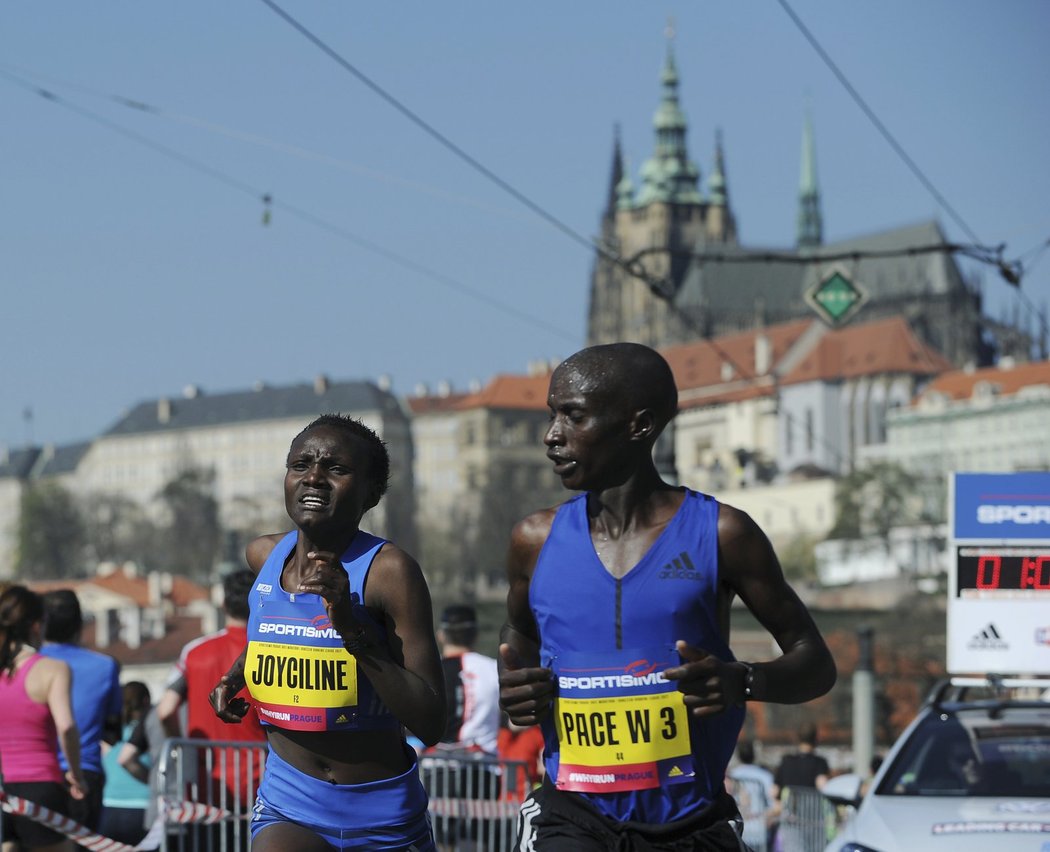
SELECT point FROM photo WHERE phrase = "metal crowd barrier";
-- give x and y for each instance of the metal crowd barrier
(221, 776)
(808, 821)
(474, 800)
(754, 804)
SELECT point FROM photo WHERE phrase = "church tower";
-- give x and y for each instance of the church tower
(668, 213)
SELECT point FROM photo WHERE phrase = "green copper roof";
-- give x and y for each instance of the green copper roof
(669, 175)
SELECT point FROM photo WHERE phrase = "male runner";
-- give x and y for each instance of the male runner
(618, 625)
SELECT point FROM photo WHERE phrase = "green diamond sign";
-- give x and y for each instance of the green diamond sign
(836, 297)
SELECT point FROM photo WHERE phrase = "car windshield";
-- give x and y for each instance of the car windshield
(974, 753)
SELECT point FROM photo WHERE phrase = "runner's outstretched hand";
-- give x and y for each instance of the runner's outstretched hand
(709, 684)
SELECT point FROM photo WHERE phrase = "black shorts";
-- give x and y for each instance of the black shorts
(565, 822)
(27, 831)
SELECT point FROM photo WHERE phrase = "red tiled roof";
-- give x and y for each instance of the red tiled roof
(959, 384)
(183, 591)
(505, 391)
(435, 404)
(872, 348)
(699, 364)
(179, 630)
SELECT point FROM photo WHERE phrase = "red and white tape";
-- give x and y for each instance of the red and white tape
(179, 812)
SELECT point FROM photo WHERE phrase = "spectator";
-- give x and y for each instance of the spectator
(143, 749)
(803, 768)
(472, 724)
(36, 696)
(201, 663)
(471, 683)
(807, 770)
(126, 794)
(98, 700)
(753, 790)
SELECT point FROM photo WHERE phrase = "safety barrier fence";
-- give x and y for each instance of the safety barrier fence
(222, 776)
(807, 821)
(474, 800)
(205, 792)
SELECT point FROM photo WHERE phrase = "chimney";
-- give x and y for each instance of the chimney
(132, 626)
(153, 588)
(763, 354)
(163, 410)
(384, 382)
(191, 392)
(321, 384)
(103, 634)
(444, 388)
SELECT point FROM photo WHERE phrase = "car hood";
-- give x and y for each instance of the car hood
(908, 823)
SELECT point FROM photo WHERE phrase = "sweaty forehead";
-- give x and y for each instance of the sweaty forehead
(593, 379)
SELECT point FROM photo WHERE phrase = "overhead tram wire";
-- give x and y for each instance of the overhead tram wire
(870, 113)
(298, 212)
(152, 109)
(448, 144)
(1010, 272)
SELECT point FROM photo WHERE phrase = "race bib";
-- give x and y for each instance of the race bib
(621, 726)
(300, 687)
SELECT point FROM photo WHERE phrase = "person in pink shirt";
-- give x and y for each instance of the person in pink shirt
(35, 695)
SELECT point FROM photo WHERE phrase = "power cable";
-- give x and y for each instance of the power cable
(298, 212)
(429, 129)
(147, 108)
(870, 113)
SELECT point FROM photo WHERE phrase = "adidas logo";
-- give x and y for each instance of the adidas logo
(675, 772)
(341, 719)
(680, 568)
(988, 639)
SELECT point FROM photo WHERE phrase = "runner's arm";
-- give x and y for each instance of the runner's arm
(747, 563)
(526, 687)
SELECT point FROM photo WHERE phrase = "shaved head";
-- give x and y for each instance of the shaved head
(625, 374)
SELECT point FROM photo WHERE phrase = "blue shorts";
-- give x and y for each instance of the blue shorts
(389, 814)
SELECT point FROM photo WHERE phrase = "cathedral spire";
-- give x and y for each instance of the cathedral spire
(720, 224)
(616, 174)
(668, 175)
(718, 191)
(810, 227)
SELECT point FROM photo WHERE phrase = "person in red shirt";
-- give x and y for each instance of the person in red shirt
(201, 663)
(522, 744)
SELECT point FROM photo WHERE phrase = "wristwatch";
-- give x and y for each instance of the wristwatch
(356, 642)
(749, 682)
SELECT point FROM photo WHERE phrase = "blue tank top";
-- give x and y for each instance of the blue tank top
(298, 672)
(620, 735)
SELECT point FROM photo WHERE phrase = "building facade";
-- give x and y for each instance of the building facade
(479, 468)
(993, 419)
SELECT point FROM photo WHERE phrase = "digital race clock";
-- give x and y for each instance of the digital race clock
(1002, 569)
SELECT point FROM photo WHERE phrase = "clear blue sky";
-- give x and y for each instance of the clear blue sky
(127, 275)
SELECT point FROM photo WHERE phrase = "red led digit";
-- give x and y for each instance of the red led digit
(1040, 572)
(988, 565)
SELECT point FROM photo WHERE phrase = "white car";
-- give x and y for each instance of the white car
(968, 774)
